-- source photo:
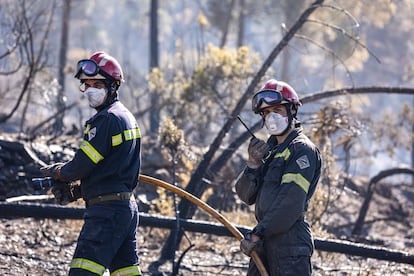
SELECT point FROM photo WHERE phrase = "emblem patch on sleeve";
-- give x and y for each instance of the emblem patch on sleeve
(303, 162)
(91, 133)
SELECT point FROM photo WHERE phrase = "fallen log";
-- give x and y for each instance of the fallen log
(363, 250)
(11, 210)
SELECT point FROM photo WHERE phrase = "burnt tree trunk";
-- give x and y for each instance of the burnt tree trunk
(196, 185)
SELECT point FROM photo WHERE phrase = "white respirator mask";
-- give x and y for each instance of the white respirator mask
(276, 123)
(96, 97)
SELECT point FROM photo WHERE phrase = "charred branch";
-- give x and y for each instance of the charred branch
(370, 192)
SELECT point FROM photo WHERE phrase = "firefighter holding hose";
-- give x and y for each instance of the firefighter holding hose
(107, 164)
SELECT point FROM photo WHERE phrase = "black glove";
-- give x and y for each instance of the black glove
(257, 150)
(66, 192)
(51, 170)
(247, 245)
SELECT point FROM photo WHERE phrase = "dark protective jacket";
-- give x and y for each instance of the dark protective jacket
(281, 189)
(108, 159)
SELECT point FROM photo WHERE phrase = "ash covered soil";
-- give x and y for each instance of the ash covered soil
(44, 247)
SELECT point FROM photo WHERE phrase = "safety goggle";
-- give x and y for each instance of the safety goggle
(270, 97)
(90, 68)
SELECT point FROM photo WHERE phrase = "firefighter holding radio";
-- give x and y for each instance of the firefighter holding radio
(280, 178)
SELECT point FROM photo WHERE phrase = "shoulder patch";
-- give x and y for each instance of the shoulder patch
(91, 133)
(303, 162)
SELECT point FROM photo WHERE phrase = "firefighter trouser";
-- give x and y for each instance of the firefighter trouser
(293, 262)
(285, 266)
(108, 240)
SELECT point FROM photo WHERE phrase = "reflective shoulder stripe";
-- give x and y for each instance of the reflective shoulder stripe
(116, 140)
(285, 154)
(88, 265)
(132, 134)
(129, 134)
(91, 152)
(127, 271)
(298, 179)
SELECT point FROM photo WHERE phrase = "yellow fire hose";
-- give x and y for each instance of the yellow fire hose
(209, 210)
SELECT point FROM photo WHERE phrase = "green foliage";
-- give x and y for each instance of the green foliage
(215, 84)
(218, 67)
(170, 136)
(163, 205)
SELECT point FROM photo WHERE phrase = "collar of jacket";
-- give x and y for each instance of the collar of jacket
(295, 133)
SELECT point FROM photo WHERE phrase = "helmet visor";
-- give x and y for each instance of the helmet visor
(269, 97)
(89, 68)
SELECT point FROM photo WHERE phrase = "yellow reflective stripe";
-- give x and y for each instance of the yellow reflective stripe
(298, 179)
(127, 271)
(88, 127)
(88, 265)
(285, 154)
(91, 152)
(116, 140)
(130, 134)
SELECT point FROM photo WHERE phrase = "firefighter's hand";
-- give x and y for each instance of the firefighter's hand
(66, 192)
(248, 244)
(51, 170)
(257, 150)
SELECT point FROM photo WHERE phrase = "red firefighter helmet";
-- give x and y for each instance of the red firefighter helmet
(275, 92)
(100, 66)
